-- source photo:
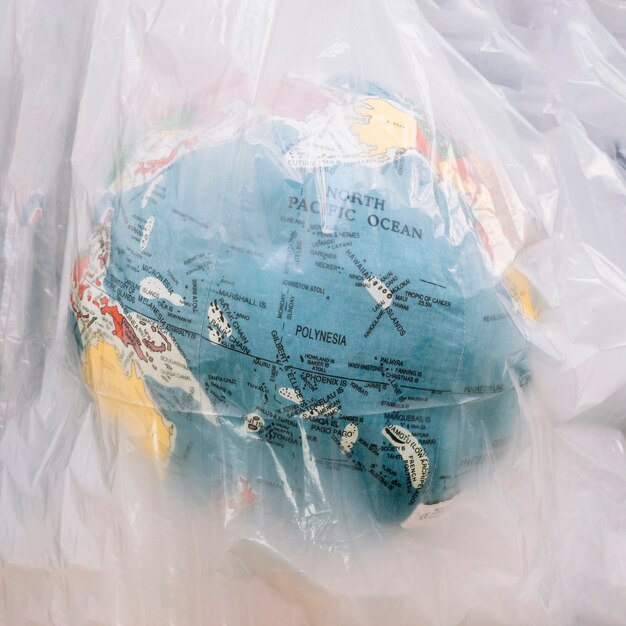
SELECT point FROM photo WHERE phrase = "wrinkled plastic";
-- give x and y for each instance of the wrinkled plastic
(585, 132)
(612, 15)
(303, 321)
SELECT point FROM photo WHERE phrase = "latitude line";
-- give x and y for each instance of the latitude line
(301, 369)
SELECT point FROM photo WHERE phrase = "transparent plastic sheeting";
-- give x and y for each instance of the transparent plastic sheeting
(587, 73)
(312, 313)
(535, 54)
(611, 13)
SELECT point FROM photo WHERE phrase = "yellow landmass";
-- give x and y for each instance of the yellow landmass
(387, 127)
(523, 291)
(123, 397)
(448, 169)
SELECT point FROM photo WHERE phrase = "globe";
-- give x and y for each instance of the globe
(302, 310)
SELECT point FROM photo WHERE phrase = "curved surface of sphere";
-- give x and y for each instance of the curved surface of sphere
(305, 307)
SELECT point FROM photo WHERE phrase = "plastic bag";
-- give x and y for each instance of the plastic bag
(548, 58)
(314, 294)
(612, 14)
(582, 133)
